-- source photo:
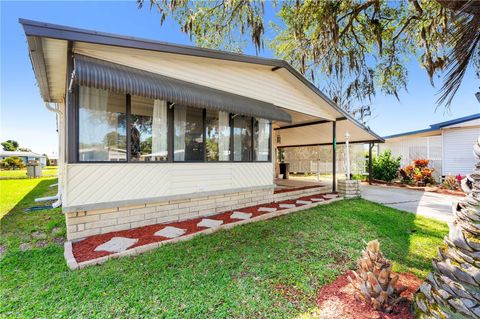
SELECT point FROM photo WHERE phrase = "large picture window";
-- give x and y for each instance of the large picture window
(242, 138)
(218, 136)
(102, 126)
(117, 127)
(148, 130)
(188, 134)
(261, 139)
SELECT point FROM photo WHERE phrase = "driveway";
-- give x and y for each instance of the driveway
(433, 205)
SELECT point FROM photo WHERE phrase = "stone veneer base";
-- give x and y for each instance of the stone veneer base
(73, 264)
(349, 188)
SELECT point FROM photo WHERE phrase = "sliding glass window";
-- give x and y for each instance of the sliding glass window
(242, 138)
(159, 133)
(261, 139)
(188, 134)
(148, 130)
(101, 126)
(217, 136)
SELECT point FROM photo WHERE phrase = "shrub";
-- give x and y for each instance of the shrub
(12, 162)
(418, 173)
(385, 166)
(452, 182)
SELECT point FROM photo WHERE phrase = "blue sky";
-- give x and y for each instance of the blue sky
(24, 118)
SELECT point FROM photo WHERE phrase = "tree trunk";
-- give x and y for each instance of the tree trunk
(452, 290)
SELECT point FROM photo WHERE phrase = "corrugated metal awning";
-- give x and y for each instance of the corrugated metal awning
(106, 75)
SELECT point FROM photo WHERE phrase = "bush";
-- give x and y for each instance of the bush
(452, 182)
(12, 162)
(417, 173)
(385, 166)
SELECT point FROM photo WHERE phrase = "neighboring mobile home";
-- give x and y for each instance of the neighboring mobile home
(145, 127)
(448, 145)
(26, 157)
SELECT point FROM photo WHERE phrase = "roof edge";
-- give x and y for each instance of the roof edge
(56, 31)
(456, 121)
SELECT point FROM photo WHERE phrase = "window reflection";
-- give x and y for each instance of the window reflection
(242, 138)
(148, 130)
(188, 134)
(102, 125)
(261, 139)
(218, 136)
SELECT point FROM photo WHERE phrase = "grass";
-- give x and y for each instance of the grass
(17, 225)
(265, 269)
(47, 171)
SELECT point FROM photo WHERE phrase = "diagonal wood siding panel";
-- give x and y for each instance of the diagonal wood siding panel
(103, 183)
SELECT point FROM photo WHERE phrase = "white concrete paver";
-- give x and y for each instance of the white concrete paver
(170, 232)
(241, 215)
(428, 204)
(314, 199)
(287, 205)
(267, 209)
(209, 223)
(330, 196)
(116, 244)
(303, 202)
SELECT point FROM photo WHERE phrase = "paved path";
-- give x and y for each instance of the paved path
(426, 204)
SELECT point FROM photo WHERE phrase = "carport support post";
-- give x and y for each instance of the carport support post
(370, 147)
(334, 156)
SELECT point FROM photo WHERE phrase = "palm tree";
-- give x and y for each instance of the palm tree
(465, 43)
(452, 290)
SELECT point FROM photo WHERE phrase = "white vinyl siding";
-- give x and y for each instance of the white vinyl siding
(411, 148)
(103, 183)
(458, 150)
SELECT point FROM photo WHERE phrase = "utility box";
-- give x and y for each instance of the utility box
(34, 169)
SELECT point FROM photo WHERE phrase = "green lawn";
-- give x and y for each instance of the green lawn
(266, 269)
(17, 225)
(47, 171)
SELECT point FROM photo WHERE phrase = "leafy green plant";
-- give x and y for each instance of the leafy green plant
(418, 173)
(385, 166)
(12, 162)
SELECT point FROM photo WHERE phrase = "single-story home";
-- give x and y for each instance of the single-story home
(448, 145)
(26, 157)
(53, 158)
(152, 132)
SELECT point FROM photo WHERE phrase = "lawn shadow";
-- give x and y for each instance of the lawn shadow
(17, 225)
(404, 235)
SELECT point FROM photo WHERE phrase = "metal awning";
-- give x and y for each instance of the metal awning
(110, 76)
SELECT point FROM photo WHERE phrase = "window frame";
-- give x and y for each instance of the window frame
(73, 128)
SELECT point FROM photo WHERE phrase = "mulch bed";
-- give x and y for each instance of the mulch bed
(85, 249)
(337, 301)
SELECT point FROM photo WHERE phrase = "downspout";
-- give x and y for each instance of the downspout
(58, 197)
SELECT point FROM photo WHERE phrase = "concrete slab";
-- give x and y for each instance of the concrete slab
(241, 215)
(287, 205)
(170, 232)
(267, 209)
(116, 244)
(317, 199)
(209, 223)
(426, 204)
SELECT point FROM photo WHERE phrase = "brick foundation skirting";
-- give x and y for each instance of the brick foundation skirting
(93, 222)
(74, 265)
